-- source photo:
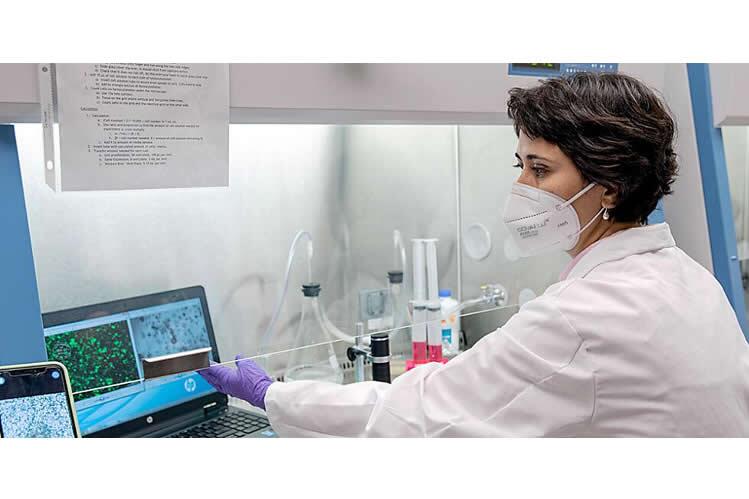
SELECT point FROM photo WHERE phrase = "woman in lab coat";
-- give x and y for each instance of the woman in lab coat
(636, 339)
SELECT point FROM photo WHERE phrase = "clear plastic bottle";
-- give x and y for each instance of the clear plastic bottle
(400, 335)
(450, 324)
(313, 357)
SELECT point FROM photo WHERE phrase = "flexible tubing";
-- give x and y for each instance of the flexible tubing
(332, 330)
(282, 296)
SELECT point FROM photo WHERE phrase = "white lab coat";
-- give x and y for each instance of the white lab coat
(638, 340)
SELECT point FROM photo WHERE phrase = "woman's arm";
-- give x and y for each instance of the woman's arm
(521, 380)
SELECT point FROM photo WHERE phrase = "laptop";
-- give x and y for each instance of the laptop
(103, 347)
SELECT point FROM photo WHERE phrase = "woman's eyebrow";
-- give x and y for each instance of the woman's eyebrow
(532, 156)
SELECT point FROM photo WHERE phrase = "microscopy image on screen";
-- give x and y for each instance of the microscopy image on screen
(40, 416)
(95, 357)
(170, 331)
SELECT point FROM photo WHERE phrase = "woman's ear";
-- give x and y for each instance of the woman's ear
(609, 198)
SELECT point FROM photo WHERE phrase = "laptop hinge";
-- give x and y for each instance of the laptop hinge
(211, 409)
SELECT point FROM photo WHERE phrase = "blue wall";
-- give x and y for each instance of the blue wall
(657, 216)
(21, 333)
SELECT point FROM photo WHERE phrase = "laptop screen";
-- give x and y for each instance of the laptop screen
(103, 355)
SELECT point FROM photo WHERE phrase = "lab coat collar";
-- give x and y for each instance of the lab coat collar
(637, 240)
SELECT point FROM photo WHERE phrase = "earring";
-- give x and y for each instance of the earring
(606, 215)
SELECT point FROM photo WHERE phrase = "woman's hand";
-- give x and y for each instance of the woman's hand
(248, 381)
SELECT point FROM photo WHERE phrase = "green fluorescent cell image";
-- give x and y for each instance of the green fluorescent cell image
(95, 357)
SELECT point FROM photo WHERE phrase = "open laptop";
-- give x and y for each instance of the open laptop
(103, 346)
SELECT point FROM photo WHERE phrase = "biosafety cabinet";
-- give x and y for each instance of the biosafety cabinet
(357, 155)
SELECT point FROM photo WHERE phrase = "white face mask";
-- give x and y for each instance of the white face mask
(541, 222)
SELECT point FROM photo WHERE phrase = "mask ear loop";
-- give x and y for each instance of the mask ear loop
(576, 196)
(589, 223)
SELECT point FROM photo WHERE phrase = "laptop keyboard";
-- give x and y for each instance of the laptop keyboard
(231, 425)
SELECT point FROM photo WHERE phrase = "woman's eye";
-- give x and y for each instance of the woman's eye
(539, 172)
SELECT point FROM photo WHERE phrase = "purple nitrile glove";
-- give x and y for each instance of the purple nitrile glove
(248, 381)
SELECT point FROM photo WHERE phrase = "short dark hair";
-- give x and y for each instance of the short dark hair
(616, 130)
